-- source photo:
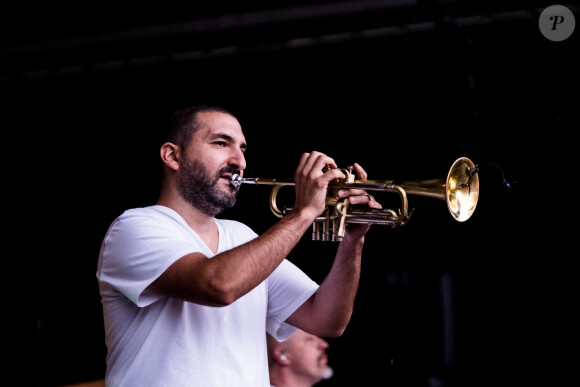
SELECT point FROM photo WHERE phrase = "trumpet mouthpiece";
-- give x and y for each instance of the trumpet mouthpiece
(236, 180)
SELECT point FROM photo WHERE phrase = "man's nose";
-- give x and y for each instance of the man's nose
(238, 159)
(322, 343)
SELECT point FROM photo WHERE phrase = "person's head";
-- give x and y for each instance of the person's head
(299, 361)
(205, 146)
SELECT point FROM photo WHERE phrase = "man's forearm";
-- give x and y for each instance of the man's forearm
(246, 266)
(328, 312)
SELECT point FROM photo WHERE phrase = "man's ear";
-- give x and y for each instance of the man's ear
(170, 155)
(280, 356)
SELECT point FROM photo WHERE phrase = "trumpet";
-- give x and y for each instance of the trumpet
(459, 189)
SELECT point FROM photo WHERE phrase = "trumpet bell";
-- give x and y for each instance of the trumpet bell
(462, 189)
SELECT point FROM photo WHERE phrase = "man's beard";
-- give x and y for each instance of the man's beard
(327, 373)
(198, 187)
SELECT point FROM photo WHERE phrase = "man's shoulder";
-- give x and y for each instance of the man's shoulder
(149, 211)
(153, 216)
(232, 224)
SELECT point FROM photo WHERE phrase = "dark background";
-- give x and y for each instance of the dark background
(402, 87)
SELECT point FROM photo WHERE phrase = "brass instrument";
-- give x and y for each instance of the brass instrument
(460, 190)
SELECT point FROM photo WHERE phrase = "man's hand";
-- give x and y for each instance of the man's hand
(312, 183)
(359, 196)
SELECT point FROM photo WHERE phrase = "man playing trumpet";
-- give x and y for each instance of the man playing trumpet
(187, 297)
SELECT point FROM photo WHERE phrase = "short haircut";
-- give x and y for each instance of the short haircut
(184, 123)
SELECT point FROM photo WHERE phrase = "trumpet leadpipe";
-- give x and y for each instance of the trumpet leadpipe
(237, 180)
(372, 185)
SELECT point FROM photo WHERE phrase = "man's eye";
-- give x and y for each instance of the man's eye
(221, 143)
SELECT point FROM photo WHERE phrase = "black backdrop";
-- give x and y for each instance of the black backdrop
(488, 302)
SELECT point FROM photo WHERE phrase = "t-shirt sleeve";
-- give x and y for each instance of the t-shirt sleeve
(288, 288)
(137, 249)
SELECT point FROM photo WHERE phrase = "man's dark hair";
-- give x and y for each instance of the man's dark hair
(184, 123)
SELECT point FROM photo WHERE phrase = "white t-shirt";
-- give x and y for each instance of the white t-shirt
(154, 340)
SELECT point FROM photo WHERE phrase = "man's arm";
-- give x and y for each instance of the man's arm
(229, 275)
(328, 312)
